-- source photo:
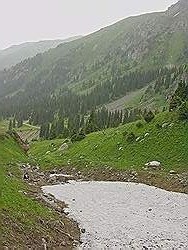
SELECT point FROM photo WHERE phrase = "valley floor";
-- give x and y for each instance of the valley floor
(32, 219)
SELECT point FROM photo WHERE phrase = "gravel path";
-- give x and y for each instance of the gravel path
(116, 215)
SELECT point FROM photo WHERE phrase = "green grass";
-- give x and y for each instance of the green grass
(19, 210)
(3, 127)
(168, 145)
(10, 150)
(45, 154)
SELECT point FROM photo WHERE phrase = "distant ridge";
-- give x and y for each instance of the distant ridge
(17, 53)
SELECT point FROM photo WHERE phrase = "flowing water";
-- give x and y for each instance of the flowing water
(117, 215)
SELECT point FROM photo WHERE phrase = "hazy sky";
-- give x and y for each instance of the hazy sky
(32, 20)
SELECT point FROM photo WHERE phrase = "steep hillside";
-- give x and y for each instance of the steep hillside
(17, 53)
(164, 139)
(97, 69)
(26, 221)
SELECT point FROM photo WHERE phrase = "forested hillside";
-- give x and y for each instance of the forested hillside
(75, 78)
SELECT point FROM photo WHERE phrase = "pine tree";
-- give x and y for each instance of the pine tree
(10, 125)
(14, 123)
(91, 124)
(20, 122)
(53, 131)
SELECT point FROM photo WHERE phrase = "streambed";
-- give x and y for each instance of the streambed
(119, 215)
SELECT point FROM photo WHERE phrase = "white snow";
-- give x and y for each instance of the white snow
(119, 215)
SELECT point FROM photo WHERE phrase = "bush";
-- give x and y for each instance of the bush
(183, 112)
(125, 133)
(131, 137)
(139, 125)
(78, 137)
(148, 116)
(158, 126)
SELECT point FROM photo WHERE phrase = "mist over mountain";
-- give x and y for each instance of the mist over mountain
(17, 53)
(78, 76)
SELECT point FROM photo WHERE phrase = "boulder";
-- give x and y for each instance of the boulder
(165, 125)
(146, 134)
(153, 164)
(63, 147)
(173, 172)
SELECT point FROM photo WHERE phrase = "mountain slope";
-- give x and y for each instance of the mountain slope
(165, 139)
(17, 53)
(105, 65)
(25, 220)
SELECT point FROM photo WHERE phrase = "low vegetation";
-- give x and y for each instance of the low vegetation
(164, 139)
(25, 221)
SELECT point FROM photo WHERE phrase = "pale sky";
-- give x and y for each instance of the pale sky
(33, 20)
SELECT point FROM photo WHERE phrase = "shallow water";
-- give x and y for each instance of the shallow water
(120, 215)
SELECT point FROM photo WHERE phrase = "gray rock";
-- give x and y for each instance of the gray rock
(63, 147)
(173, 172)
(153, 164)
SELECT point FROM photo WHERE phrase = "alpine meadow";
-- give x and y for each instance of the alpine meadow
(94, 137)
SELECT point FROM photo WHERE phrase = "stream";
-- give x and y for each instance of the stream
(120, 215)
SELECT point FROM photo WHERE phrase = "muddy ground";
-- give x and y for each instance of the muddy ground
(170, 181)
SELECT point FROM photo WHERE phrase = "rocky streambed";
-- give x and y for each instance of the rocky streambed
(125, 215)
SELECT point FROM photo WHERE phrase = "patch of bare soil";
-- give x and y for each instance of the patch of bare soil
(53, 234)
(170, 181)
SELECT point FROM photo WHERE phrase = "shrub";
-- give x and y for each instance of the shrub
(148, 116)
(125, 133)
(139, 124)
(78, 137)
(131, 137)
(158, 126)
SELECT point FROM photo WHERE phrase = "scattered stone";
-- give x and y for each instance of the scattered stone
(10, 174)
(26, 177)
(44, 243)
(153, 164)
(146, 134)
(164, 125)
(63, 147)
(63, 243)
(69, 162)
(173, 172)
(83, 230)
(171, 125)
